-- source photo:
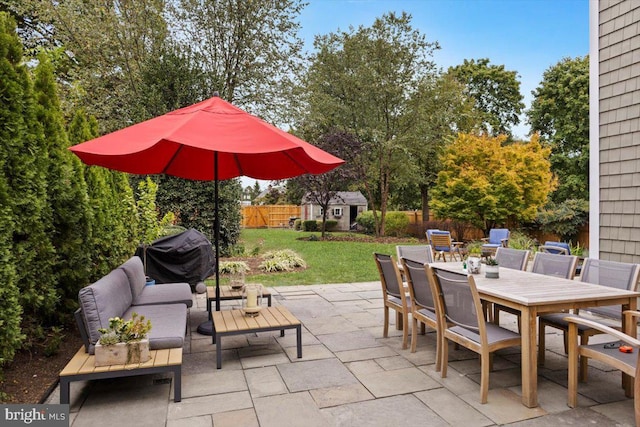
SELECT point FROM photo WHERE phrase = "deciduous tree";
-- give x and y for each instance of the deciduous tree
(487, 183)
(496, 92)
(322, 189)
(560, 113)
(361, 81)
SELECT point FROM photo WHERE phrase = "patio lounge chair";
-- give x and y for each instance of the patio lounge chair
(498, 237)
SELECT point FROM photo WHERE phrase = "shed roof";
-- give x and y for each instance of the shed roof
(343, 198)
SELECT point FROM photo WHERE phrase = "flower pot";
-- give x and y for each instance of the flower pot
(122, 353)
(492, 271)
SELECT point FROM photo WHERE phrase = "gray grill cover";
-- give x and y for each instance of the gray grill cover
(185, 257)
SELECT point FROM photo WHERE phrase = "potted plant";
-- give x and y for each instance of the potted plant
(123, 342)
(492, 269)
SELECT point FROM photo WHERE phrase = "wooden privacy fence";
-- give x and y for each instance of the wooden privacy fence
(269, 216)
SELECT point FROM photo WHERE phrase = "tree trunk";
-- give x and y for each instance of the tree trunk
(424, 194)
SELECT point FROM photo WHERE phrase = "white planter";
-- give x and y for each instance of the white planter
(492, 271)
(122, 353)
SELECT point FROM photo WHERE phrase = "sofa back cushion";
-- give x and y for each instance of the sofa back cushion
(134, 270)
(108, 297)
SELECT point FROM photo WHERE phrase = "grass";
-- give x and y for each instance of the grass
(327, 261)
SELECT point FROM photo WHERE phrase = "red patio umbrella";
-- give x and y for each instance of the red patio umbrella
(210, 140)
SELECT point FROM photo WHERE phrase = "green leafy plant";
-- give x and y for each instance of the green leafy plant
(119, 330)
(520, 240)
(491, 261)
(282, 260)
(396, 224)
(233, 267)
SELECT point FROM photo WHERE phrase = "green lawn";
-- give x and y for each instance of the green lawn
(327, 261)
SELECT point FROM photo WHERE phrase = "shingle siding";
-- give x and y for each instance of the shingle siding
(619, 124)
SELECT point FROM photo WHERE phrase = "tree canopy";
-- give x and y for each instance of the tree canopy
(496, 92)
(560, 113)
(361, 81)
(487, 183)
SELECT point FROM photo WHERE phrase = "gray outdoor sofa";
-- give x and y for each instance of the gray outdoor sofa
(123, 292)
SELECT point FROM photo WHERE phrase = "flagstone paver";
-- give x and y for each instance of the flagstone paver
(349, 375)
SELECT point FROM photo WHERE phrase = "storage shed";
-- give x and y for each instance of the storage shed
(344, 208)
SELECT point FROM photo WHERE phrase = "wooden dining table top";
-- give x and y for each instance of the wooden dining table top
(531, 289)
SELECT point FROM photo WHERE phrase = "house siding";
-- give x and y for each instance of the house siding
(619, 128)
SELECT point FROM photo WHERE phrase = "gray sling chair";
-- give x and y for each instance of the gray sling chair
(606, 273)
(394, 296)
(419, 253)
(516, 259)
(461, 320)
(423, 306)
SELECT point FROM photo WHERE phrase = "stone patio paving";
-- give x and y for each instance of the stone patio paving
(349, 376)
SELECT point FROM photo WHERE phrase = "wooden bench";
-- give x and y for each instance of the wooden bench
(227, 294)
(82, 367)
(234, 322)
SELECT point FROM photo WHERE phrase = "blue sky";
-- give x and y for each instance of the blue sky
(526, 36)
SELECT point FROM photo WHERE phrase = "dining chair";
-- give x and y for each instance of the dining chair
(461, 320)
(423, 306)
(515, 259)
(394, 296)
(607, 353)
(420, 253)
(443, 244)
(600, 272)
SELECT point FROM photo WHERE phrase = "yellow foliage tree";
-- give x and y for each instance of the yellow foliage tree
(486, 183)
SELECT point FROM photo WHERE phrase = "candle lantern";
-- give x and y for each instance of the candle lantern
(252, 299)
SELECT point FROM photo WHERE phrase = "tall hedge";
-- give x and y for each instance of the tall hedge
(112, 206)
(67, 194)
(10, 309)
(24, 161)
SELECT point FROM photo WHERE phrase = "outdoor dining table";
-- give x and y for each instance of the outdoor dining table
(533, 294)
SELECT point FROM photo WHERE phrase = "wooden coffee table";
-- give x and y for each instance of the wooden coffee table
(234, 322)
(82, 367)
(227, 294)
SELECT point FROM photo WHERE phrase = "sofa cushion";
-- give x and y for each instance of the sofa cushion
(108, 297)
(135, 272)
(168, 324)
(165, 293)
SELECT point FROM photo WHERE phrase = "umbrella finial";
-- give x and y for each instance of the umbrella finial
(216, 94)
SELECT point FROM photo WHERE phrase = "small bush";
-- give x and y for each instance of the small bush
(366, 222)
(396, 224)
(237, 250)
(297, 224)
(283, 260)
(310, 225)
(233, 267)
(519, 240)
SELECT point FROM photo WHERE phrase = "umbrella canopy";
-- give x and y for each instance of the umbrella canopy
(210, 140)
(183, 142)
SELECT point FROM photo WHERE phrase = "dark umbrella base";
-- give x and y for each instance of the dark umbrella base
(206, 328)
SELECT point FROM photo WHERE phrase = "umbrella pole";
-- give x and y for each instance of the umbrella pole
(206, 328)
(217, 229)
